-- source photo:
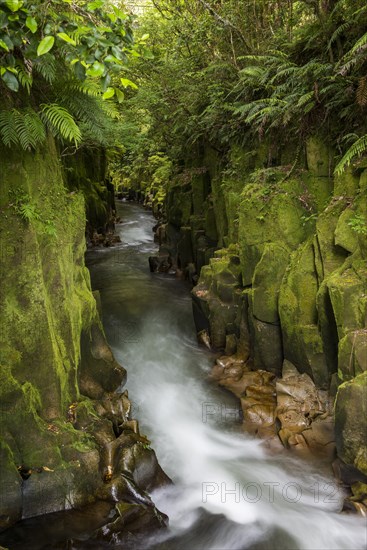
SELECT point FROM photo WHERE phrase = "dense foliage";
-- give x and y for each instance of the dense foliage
(249, 72)
(59, 63)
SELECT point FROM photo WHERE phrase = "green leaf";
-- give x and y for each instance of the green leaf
(66, 38)
(112, 59)
(3, 20)
(148, 54)
(11, 81)
(8, 41)
(95, 5)
(14, 5)
(127, 83)
(31, 23)
(120, 95)
(96, 70)
(105, 82)
(4, 46)
(79, 70)
(45, 45)
(110, 92)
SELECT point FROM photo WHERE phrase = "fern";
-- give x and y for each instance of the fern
(339, 32)
(25, 78)
(354, 55)
(356, 150)
(60, 121)
(8, 130)
(46, 67)
(21, 128)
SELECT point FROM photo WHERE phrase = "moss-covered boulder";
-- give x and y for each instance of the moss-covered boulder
(266, 283)
(348, 294)
(352, 356)
(319, 157)
(351, 422)
(269, 213)
(302, 340)
(329, 257)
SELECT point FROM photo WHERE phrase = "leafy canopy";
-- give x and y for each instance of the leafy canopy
(228, 72)
(62, 60)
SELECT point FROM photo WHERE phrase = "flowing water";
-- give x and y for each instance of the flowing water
(229, 492)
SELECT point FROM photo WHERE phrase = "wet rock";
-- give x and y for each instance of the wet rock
(133, 521)
(160, 264)
(204, 338)
(231, 344)
(99, 371)
(351, 422)
(347, 473)
(352, 356)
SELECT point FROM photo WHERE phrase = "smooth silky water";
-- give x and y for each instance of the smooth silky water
(229, 493)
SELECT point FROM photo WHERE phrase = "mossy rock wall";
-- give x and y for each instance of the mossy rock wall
(56, 368)
(86, 171)
(301, 246)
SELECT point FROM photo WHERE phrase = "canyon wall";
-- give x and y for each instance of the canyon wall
(278, 257)
(67, 438)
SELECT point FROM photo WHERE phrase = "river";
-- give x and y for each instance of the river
(229, 492)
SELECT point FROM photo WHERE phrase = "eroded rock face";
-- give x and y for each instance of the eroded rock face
(289, 409)
(351, 422)
(67, 437)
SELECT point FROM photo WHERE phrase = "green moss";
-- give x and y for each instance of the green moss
(344, 234)
(351, 422)
(346, 184)
(45, 303)
(319, 157)
(352, 355)
(347, 288)
(179, 205)
(269, 213)
(267, 279)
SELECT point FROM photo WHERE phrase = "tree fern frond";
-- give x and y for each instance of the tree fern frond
(8, 131)
(252, 71)
(286, 72)
(356, 150)
(21, 128)
(46, 67)
(88, 87)
(361, 42)
(338, 32)
(262, 114)
(306, 98)
(355, 54)
(60, 122)
(111, 110)
(35, 127)
(25, 78)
